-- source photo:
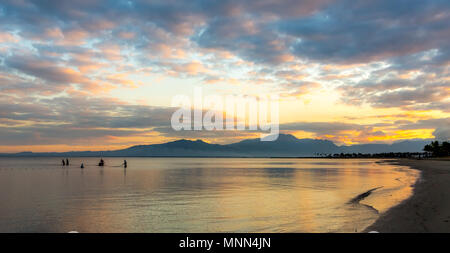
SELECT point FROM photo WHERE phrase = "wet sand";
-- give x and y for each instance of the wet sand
(428, 209)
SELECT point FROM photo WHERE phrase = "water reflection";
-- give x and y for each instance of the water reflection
(197, 195)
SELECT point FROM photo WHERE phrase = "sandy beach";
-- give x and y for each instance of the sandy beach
(428, 210)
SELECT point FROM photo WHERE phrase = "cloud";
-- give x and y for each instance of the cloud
(190, 68)
(442, 133)
(375, 132)
(321, 128)
(419, 86)
(349, 31)
(220, 137)
(427, 124)
(45, 69)
(262, 31)
(7, 37)
(405, 97)
(383, 54)
(75, 120)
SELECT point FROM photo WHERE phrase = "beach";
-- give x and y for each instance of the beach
(428, 209)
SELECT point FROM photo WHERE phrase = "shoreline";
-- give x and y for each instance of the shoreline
(428, 208)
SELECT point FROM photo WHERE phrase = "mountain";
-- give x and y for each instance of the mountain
(176, 148)
(285, 146)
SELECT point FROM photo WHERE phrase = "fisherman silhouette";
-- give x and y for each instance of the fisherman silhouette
(101, 163)
(125, 164)
(82, 165)
(67, 161)
(63, 163)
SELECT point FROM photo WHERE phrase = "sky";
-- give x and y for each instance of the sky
(101, 75)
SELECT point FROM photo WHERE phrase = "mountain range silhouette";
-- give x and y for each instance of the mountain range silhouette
(285, 146)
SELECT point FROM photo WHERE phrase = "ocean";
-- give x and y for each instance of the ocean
(198, 194)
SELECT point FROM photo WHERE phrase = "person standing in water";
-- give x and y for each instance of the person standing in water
(63, 162)
(67, 161)
(125, 164)
(82, 165)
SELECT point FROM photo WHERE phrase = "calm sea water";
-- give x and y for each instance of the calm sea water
(197, 194)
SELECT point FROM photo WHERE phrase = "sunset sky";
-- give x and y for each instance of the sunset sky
(100, 75)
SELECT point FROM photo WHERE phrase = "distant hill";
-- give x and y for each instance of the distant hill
(285, 146)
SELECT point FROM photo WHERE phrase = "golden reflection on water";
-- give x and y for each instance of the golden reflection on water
(198, 195)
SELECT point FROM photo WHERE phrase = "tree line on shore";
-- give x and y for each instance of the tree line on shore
(379, 155)
(434, 149)
(437, 149)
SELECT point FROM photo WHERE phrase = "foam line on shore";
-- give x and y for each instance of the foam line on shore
(363, 195)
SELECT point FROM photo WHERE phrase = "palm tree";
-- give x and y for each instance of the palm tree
(438, 150)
